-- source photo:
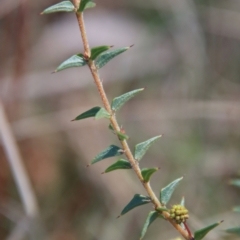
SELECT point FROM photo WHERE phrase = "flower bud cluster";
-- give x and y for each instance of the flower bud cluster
(179, 213)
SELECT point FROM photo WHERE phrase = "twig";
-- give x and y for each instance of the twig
(16, 164)
(116, 127)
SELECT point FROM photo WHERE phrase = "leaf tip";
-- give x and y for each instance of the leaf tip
(88, 165)
(131, 45)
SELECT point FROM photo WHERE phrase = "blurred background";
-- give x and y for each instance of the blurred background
(186, 53)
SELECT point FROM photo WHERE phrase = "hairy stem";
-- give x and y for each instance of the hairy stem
(116, 126)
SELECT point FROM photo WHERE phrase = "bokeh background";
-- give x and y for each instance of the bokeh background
(186, 54)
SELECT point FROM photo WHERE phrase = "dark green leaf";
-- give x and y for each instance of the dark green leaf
(65, 6)
(122, 136)
(166, 193)
(236, 209)
(90, 113)
(235, 182)
(147, 173)
(200, 234)
(73, 61)
(110, 126)
(118, 102)
(136, 201)
(235, 230)
(96, 51)
(141, 148)
(151, 217)
(105, 57)
(86, 4)
(111, 151)
(120, 164)
(102, 113)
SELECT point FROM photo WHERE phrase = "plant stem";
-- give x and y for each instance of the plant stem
(116, 127)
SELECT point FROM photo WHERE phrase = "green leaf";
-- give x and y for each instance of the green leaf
(200, 234)
(235, 230)
(235, 182)
(102, 113)
(136, 201)
(182, 203)
(118, 102)
(111, 151)
(236, 209)
(150, 218)
(65, 6)
(86, 4)
(147, 173)
(122, 136)
(110, 126)
(141, 148)
(166, 193)
(73, 61)
(120, 164)
(105, 57)
(90, 113)
(96, 51)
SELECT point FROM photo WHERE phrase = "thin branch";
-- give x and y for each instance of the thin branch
(19, 173)
(116, 126)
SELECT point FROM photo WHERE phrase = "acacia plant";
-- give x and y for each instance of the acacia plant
(95, 58)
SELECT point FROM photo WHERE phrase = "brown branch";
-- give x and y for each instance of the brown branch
(116, 126)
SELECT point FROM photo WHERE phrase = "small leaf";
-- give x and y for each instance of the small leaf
(111, 151)
(235, 230)
(86, 4)
(182, 203)
(90, 113)
(235, 182)
(105, 57)
(167, 192)
(96, 51)
(151, 217)
(102, 113)
(236, 209)
(200, 234)
(122, 136)
(110, 126)
(73, 61)
(147, 173)
(136, 201)
(141, 148)
(118, 102)
(120, 164)
(65, 6)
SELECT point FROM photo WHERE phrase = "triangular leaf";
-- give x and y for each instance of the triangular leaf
(235, 230)
(120, 164)
(200, 234)
(141, 148)
(167, 192)
(236, 209)
(118, 102)
(105, 57)
(111, 151)
(65, 6)
(102, 113)
(150, 218)
(136, 201)
(90, 113)
(73, 61)
(86, 4)
(235, 182)
(182, 203)
(96, 51)
(147, 173)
